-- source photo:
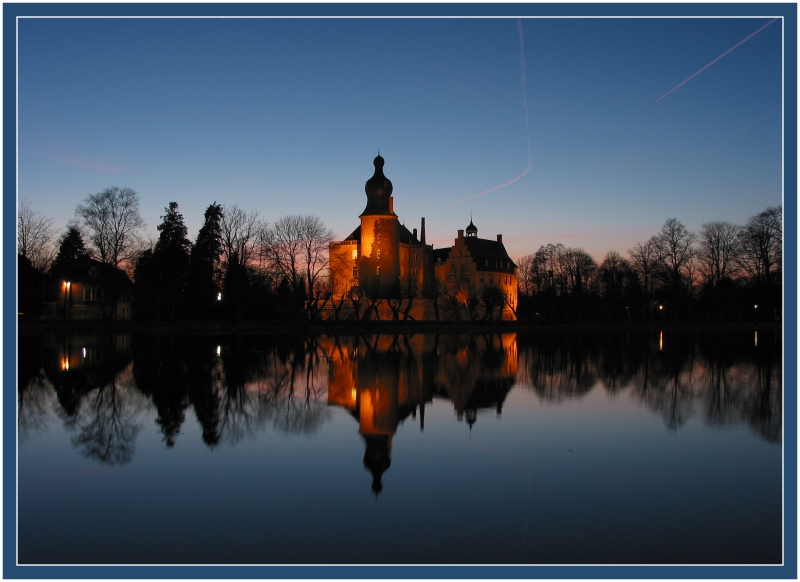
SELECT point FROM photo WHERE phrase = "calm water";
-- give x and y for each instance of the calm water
(597, 448)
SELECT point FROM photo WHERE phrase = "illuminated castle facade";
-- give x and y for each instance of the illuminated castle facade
(382, 260)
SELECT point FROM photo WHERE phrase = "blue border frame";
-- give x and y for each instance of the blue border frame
(12, 570)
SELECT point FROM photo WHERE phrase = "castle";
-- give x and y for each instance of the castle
(382, 270)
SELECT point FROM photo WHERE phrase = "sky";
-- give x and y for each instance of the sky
(590, 132)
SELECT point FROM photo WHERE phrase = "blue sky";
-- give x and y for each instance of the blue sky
(285, 116)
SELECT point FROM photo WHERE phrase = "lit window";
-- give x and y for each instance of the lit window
(355, 254)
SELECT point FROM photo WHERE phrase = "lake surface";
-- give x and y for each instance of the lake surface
(647, 447)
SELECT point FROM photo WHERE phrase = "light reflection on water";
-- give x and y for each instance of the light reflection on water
(629, 447)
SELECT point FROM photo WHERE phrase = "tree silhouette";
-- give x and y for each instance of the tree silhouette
(71, 249)
(112, 220)
(204, 265)
(161, 273)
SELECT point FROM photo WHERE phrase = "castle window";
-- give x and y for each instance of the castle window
(486, 263)
(378, 270)
(480, 278)
(415, 257)
(491, 279)
(378, 255)
(466, 277)
(355, 272)
(355, 254)
(415, 272)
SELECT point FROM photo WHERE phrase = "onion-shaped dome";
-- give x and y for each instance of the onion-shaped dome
(378, 190)
(472, 230)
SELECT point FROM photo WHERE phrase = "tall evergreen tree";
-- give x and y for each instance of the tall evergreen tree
(163, 272)
(204, 272)
(71, 248)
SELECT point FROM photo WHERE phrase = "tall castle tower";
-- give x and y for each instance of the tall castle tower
(379, 247)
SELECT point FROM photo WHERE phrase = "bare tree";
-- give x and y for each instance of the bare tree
(676, 250)
(761, 242)
(525, 274)
(718, 252)
(645, 261)
(112, 221)
(240, 233)
(298, 248)
(315, 238)
(35, 237)
(580, 268)
(285, 249)
(613, 274)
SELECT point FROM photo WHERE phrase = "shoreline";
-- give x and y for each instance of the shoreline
(196, 327)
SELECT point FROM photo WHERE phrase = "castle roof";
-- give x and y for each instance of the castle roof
(489, 255)
(378, 189)
(406, 236)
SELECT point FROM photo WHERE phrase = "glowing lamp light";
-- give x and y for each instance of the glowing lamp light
(84, 352)
(65, 364)
(661, 308)
(219, 350)
(219, 296)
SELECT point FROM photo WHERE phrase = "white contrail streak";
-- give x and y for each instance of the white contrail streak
(737, 45)
(527, 124)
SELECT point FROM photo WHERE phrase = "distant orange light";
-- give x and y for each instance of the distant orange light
(65, 364)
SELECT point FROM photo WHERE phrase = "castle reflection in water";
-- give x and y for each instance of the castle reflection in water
(106, 390)
(382, 380)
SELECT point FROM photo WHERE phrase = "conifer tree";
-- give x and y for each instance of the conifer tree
(204, 272)
(71, 248)
(171, 257)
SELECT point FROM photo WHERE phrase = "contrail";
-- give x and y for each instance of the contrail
(527, 125)
(737, 45)
(727, 141)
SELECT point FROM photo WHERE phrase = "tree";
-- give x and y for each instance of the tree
(35, 237)
(298, 248)
(645, 261)
(761, 257)
(112, 221)
(171, 258)
(525, 274)
(580, 267)
(761, 241)
(676, 250)
(239, 234)
(71, 248)
(614, 277)
(160, 273)
(718, 252)
(204, 263)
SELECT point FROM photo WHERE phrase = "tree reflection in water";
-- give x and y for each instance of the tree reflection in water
(238, 386)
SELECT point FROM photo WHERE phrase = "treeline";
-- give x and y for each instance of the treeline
(725, 272)
(238, 266)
